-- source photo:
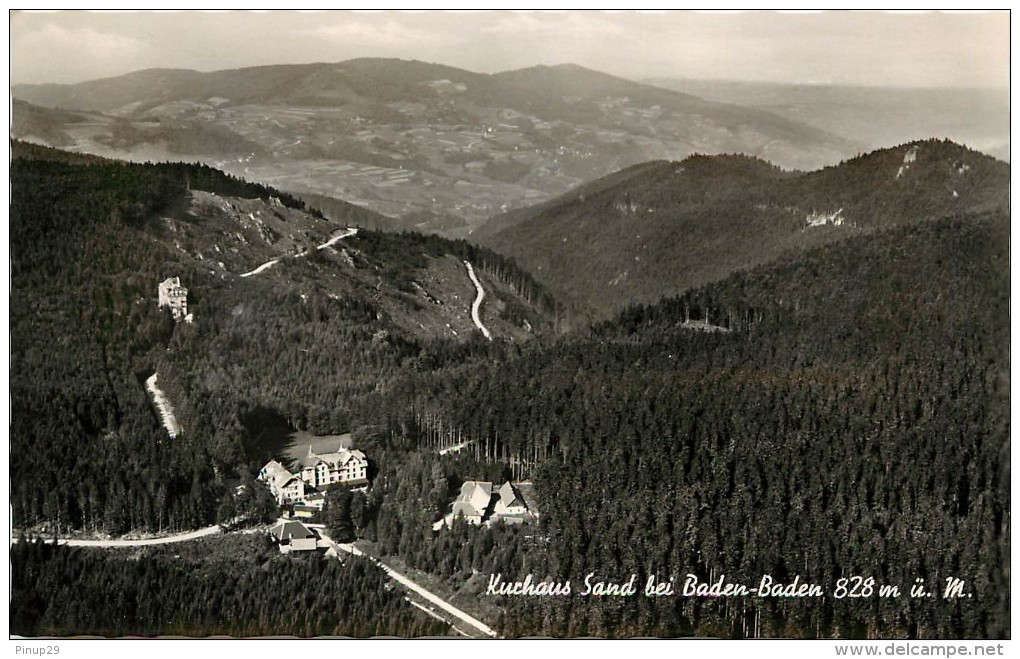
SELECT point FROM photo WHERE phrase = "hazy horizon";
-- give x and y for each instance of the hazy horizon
(933, 50)
(647, 80)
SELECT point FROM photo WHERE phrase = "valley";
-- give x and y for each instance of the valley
(425, 324)
(708, 365)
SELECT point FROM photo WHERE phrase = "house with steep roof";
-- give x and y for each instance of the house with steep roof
(480, 502)
(285, 486)
(510, 505)
(293, 536)
(345, 466)
(473, 502)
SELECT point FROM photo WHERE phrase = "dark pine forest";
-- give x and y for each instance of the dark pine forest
(853, 419)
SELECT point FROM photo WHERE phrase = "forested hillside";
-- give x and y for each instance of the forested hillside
(842, 409)
(659, 229)
(298, 345)
(853, 421)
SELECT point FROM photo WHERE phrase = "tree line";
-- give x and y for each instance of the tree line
(859, 425)
(236, 587)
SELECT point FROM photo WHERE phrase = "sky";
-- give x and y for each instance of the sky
(932, 49)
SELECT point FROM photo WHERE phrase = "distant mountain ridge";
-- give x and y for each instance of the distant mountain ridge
(663, 227)
(410, 139)
(538, 89)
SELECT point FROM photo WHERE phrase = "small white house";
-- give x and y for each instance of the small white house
(473, 503)
(510, 506)
(315, 500)
(480, 502)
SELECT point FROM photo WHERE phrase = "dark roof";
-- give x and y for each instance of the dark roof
(291, 531)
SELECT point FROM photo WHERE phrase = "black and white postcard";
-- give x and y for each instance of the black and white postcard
(507, 324)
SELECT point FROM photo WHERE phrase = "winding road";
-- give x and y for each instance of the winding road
(262, 268)
(477, 304)
(346, 233)
(405, 581)
(400, 578)
(166, 411)
(165, 540)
